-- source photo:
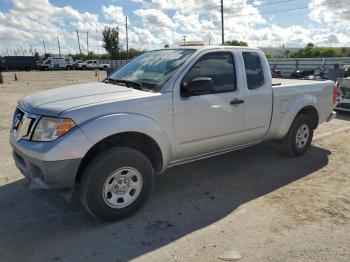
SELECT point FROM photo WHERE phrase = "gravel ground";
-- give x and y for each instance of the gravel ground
(256, 203)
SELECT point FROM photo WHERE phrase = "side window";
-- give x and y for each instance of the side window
(253, 70)
(219, 66)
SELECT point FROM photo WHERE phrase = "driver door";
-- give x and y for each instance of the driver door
(206, 123)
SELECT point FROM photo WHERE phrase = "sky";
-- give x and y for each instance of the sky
(25, 24)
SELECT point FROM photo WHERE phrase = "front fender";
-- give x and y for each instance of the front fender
(292, 110)
(99, 128)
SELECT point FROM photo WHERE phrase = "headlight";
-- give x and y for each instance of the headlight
(49, 128)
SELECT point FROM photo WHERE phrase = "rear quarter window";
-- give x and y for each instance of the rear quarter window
(254, 70)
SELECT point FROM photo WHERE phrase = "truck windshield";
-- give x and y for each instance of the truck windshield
(152, 69)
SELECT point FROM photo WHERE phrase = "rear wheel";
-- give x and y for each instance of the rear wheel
(299, 137)
(116, 183)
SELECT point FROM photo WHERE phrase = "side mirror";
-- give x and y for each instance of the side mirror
(197, 86)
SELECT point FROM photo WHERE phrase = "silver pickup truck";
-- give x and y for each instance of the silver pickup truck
(164, 108)
(92, 64)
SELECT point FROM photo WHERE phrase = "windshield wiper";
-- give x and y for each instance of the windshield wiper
(127, 83)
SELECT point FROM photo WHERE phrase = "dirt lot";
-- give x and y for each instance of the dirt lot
(256, 202)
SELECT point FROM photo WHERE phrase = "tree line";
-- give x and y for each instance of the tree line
(111, 43)
(313, 51)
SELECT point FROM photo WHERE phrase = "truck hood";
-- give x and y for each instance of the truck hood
(54, 101)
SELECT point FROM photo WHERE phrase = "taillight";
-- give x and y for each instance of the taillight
(335, 92)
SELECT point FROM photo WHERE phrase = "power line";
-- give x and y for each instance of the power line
(195, 4)
(272, 3)
(292, 9)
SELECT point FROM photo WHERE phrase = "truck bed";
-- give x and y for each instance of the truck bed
(293, 93)
(287, 81)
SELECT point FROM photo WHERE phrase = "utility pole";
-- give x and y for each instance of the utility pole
(184, 39)
(127, 39)
(78, 42)
(222, 22)
(87, 42)
(209, 40)
(59, 47)
(44, 48)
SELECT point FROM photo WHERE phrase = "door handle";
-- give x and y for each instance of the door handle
(236, 101)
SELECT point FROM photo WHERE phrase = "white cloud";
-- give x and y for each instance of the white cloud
(154, 17)
(160, 22)
(114, 13)
(329, 11)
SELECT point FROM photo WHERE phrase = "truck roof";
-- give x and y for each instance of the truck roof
(212, 47)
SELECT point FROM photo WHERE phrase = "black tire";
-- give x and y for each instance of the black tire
(290, 140)
(97, 172)
(84, 67)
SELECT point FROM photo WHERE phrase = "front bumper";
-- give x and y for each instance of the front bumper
(51, 165)
(53, 175)
(343, 104)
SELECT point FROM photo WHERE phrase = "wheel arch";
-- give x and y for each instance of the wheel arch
(305, 105)
(136, 140)
(312, 112)
(309, 110)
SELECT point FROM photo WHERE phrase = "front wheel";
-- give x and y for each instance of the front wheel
(116, 183)
(298, 139)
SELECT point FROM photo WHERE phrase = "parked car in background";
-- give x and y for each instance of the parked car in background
(276, 72)
(164, 108)
(347, 70)
(57, 63)
(17, 63)
(299, 74)
(93, 64)
(76, 63)
(343, 99)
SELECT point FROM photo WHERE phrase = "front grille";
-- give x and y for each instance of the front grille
(343, 105)
(345, 92)
(23, 124)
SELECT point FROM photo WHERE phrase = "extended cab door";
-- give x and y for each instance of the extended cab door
(214, 121)
(258, 94)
